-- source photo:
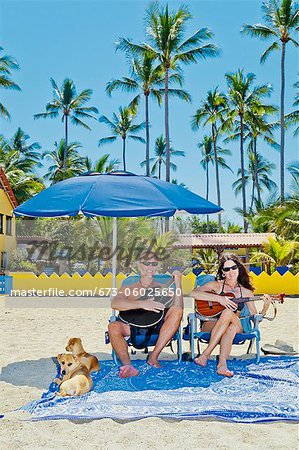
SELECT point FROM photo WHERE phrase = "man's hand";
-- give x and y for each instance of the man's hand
(228, 303)
(152, 305)
(177, 276)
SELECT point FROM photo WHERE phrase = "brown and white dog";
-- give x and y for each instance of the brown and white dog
(75, 376)
(75, 346)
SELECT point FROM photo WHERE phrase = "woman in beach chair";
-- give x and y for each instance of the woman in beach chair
(214, 299)
(149, 305)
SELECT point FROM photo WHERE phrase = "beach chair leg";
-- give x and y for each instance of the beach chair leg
(258, 350)
(114, 357)
(249, 346)
(192, 337)
(180, 349)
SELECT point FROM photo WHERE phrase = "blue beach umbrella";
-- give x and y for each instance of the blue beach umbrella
(115, 194)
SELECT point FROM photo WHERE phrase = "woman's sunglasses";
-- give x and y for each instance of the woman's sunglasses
(227, 269)
(150, 263)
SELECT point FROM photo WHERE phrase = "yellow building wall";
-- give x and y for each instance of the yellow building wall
(24, 281)
(7, 243)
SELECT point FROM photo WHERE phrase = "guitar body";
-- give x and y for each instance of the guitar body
(142, 318)
(211, 309)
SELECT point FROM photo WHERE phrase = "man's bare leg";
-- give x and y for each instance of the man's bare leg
(170, 326)
(117, 333)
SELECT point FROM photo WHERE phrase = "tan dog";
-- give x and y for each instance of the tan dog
(75, 346)
(76, 379)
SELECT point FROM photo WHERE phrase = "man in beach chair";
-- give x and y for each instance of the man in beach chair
(222, 321)
(150, 313)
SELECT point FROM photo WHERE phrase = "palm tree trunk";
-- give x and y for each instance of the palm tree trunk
(167, 128)
(66, 142)
(124, 153)
(282, 131)
(243, 172)
(207, 196)
(159, 169)
(147, 148)
(252, 194)
(214, 137)
(167, 140)
(256, 181)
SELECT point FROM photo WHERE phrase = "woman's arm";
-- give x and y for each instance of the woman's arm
(250, 305)
(204, 293)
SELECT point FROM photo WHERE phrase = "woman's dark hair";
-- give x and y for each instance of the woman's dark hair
(243, 277)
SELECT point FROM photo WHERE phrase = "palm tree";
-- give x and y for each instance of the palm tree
(282, 219)
(212, 111)
(103, 165)
(160, 157)
(255, 127)
(244, 102)
(293, 117)
(147, 80)
(293, 168)
(165, 33)
(30, 151)
(20, 172)
(7, 64)
(71, 106)
(281, 18)
(183, 185)
(123, 126)
(276, 251)
(258, 173)
(66, 162)
(210, 157)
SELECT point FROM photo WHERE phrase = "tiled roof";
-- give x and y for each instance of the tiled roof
(4, 184)
(233, 240)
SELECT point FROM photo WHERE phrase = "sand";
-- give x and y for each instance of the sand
(33, 330)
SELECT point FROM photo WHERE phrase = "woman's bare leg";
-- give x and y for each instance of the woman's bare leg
(226, 346)
(220, 327)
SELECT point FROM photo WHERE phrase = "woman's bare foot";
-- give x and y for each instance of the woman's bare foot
(128, 371)
(223, 370)
(201, 360)
(152, 361)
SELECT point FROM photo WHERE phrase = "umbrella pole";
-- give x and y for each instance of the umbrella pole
(114, 256)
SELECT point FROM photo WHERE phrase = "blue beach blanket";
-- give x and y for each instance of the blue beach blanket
(258, 392)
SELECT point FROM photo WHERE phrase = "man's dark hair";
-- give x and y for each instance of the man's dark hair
(148, 254)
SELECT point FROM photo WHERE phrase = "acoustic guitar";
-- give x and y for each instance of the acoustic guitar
(213, 309)
(146, 319)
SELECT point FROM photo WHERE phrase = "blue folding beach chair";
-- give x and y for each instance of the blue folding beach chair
(139, 338)
(250, 326)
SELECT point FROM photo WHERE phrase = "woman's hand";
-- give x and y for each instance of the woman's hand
(267, 299)
(228, 303)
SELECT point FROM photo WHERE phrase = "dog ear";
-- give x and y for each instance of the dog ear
(59, 356)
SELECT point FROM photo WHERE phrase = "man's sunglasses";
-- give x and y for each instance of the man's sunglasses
(150, 263)
(227, 269)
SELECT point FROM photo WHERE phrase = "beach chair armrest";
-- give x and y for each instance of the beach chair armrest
(257, 318)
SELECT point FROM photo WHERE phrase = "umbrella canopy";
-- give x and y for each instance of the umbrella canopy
(115, 194)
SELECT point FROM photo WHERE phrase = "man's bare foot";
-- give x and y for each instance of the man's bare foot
(223, 370)
(201, 360)
(153, 362)
(128, 371)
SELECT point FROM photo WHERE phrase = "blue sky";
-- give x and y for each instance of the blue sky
(76, 39)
